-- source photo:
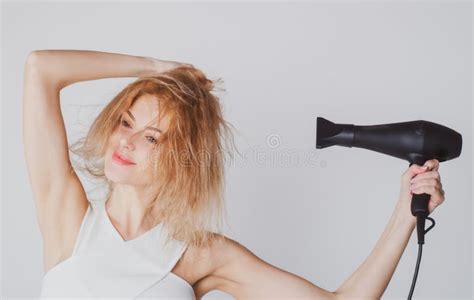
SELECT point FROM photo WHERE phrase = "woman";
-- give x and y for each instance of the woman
(142, 240)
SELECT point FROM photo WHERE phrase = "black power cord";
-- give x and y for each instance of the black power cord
(420, 250)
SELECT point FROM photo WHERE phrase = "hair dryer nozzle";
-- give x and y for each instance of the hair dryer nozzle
(329, 134)
(414, 141)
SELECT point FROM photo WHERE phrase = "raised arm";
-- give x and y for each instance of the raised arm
(46, 72)
(372, 277)
(241, 273)
(59, 196)
(65, 67)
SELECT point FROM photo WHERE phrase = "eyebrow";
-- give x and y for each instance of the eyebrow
(148, 127)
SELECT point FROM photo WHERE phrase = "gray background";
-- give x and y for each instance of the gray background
(283, 64)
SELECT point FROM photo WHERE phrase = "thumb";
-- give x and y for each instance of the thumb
(412, 171)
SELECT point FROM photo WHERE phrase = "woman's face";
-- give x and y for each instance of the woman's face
(128, 157)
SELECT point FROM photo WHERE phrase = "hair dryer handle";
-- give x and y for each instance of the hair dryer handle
(419, 208)
(419, 204)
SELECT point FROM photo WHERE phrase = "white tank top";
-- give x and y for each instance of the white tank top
(103, 264)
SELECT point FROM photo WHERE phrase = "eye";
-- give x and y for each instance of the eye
(152, 139)
(125, 123)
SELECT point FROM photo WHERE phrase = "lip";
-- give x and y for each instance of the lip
(121, 159)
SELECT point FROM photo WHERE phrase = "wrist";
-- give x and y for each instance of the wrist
(150, 66)
(403, 214)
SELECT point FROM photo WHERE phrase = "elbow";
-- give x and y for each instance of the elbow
(35, 58)
(32, 61)
(39, 65)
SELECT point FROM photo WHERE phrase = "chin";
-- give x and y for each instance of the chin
(117, 173)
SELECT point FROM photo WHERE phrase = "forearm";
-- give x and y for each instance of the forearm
(65, 67)
(371, 279)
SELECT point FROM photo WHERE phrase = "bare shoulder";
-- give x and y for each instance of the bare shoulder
(236, 270)
(205, 261)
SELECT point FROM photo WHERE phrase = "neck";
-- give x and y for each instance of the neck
(127, 208)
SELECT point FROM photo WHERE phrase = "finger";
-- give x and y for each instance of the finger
(430, 181)
(436, 196)
(412, 171)
(426, 175)
(428, 189)
(432, 164)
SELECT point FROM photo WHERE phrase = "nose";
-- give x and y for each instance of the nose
(125, 142)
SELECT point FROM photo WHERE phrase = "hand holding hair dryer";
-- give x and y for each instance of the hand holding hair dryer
(414, 141)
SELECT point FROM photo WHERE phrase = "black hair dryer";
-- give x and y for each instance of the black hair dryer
(415, 141)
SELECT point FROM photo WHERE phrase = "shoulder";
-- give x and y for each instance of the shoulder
(216, 260)
(209, 258)
(222, 251)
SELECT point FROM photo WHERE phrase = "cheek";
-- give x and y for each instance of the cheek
(114, 139)
(143, 157)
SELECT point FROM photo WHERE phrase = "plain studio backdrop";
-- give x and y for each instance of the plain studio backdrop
(314, 212)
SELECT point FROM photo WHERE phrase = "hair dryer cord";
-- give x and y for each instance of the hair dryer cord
(420, 250)
(432, 225)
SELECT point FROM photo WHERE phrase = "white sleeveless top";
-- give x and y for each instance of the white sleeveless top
(103, 264)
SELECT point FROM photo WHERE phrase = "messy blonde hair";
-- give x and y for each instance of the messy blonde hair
(188, 159)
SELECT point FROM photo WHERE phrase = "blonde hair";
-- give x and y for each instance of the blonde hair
(189, 186)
